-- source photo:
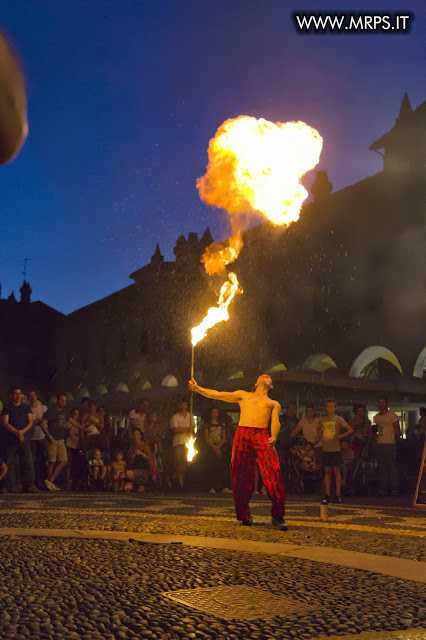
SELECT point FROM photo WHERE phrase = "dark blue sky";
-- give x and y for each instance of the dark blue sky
(124, 96)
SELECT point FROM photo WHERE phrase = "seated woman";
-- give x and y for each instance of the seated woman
(139, 459)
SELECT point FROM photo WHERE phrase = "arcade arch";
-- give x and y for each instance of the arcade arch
(101, 388)
(277, 366)
(319, 362)
(367, 364)
(169, 381)
(420, 366)
(235, 376)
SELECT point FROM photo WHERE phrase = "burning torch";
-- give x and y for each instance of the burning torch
(254, 167)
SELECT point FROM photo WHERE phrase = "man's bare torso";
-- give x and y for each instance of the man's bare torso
(256, 410)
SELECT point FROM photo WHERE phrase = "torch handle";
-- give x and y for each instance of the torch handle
(191, 398)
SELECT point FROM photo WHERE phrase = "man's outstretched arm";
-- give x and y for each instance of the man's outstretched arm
(224, 396)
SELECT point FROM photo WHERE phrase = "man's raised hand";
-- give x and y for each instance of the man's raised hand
(193, 386)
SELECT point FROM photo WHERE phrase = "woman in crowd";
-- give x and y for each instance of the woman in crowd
(362, 430)
(138, 459)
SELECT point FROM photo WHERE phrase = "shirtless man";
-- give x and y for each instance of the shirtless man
(252, 439)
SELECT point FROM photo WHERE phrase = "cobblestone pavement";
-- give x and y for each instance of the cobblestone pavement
(68, 589)
(377, 528)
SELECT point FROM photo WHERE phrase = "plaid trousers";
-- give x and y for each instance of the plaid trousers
(250, 447)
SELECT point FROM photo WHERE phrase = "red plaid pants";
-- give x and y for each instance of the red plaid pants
(250, 447)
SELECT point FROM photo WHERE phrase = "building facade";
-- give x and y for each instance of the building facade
(340, 292)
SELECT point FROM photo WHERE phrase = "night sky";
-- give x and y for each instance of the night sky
(124, 96)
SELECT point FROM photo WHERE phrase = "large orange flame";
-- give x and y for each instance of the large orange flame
(254, 167)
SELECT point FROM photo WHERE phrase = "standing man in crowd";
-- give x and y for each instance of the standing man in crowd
(137, 416)
(388, 433)
(38, 443)
(252, 438)
(54, 426)
(181, 427)
(17, 423)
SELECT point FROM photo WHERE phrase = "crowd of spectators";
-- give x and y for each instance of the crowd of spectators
(75, 448)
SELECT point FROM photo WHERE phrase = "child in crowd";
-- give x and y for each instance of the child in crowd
(308, 459)
(97, 469)
(118, 470)
(330, 432)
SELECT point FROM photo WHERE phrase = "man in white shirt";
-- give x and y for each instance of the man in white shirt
(181, 427)
(388, 433)
(37, 443)
(137, 416)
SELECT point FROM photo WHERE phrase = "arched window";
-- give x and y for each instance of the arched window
(235, 376)
(420, 366)
(319, 362)
(369, 362)
(101, 388)
(169, 381)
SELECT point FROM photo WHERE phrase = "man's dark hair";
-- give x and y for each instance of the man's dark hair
(330, 400)
(359, 406)
(15, 388)
(383, 398)
(83, 400)
(62, 394)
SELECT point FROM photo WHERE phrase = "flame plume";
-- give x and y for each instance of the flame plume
(254, 167)
(220, 313)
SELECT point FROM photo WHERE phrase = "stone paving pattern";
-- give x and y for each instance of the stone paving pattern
(68, 589)
(385, 530)
(59, 589)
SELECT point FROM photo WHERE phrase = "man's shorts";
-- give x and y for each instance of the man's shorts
(57, 451)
